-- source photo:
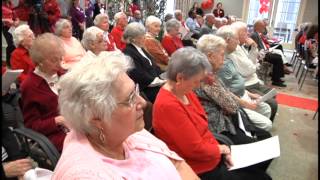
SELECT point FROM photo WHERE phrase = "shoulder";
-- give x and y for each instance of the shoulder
(19, 51)
(32, 81)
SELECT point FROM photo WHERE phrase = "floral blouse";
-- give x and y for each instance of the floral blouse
(220, 104)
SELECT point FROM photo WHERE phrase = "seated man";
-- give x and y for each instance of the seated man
(208, 26)
(273, 58)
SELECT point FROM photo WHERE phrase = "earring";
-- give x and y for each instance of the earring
(101, 135)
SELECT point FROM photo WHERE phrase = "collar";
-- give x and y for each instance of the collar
(49, 79)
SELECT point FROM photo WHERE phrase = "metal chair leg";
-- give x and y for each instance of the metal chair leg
(303, 79)
(315, 114)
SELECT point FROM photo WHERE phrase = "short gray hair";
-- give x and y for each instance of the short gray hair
(43, 46)
(99, 18)
(117, 16)
(89, 36)
(188, 61)
(87, 90)
(19, 34)
(209, 42)
(172, 24)
(59, 26)
(132, 31)
(177, 12)
(226, 32)
(152, 19)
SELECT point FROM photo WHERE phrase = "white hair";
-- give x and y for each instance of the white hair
(209, 42)
(132, 31)
(19, 34)
(226, 32)
(99, 18)
(88, 92)
(172, 24)
(152, 19)
(89, 36)
(236, 26)
(59, 26)
(117, 16)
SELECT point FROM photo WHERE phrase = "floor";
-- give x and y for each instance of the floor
(298, 134)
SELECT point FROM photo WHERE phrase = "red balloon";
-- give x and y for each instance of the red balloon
(208, 4)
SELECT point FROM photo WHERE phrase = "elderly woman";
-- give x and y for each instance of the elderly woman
(121, 21)
(145, 72)
(245, 63)
(222, 106)
(172, 40)
(236, 83)
(177, 111)
(40, 89)
(152, 45)
(104, 111)
(93, 42)
(73, 48)
(102, 21)
(20, 58)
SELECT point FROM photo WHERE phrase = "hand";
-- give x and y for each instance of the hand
(251, 105)
(228, 160)
(224, 149)
(16, 22)
(17, 167)
(251, 42)
(81, 26)
(254, 96)
(209, 79)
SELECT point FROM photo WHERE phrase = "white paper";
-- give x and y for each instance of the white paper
(267, 96)
(9, 77)
(249, 154)
(38, 174)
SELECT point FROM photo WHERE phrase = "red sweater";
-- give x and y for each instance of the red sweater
(117, 33)
(20, 59)
(40, 107)
(184, 128)
(171, 44)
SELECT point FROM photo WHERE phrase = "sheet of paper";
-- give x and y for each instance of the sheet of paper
(8, 78)
(267, 96)
(274, 47)
(249, 154)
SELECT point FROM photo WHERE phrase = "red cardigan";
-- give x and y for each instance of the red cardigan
(40, 107)
(184, 128)
(20, 59)
(171, 44)
(117, 33)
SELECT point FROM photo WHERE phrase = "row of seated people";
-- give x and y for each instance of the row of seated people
(40, 89)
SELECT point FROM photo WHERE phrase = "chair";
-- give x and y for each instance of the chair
(306, 68)
(38, 147)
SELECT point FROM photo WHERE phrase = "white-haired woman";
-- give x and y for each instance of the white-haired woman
(236, 83)
(104, 111)
(146, 72)
(73, 48)
(181, 122)
(172, 40)
(20, 58)
(93, 42)
(39, 91)
(102, 21)
(153, 45)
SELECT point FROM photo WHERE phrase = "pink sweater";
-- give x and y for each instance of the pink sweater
(146, 158)
(74, 52)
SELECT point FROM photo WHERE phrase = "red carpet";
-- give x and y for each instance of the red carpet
(298, 102)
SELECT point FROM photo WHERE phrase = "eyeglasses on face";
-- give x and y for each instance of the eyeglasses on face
(132, 100)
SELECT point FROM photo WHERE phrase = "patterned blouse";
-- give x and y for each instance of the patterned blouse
(220, 104)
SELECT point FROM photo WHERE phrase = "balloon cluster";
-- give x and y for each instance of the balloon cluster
(264, 6)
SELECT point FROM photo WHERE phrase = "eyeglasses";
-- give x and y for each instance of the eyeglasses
(132, 100)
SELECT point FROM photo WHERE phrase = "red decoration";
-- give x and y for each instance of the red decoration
(264, 6)
(207, 4)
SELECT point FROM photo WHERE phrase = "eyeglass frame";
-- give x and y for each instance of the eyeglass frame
(132, 100)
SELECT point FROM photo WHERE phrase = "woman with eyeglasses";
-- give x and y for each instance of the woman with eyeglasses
(104, 111)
